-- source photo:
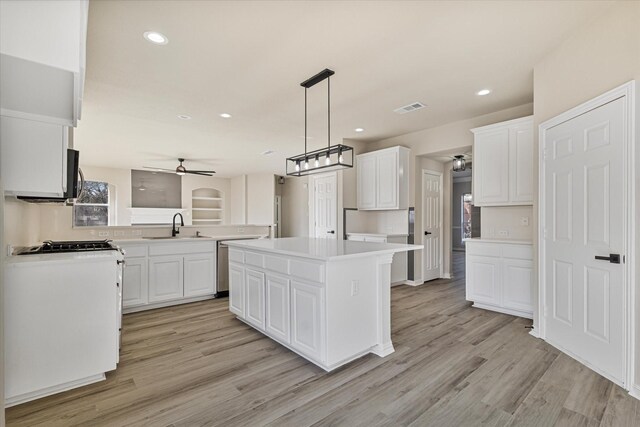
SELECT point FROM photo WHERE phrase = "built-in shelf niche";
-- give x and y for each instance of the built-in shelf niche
(207, 206)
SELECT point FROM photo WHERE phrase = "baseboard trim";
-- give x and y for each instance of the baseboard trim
(152, 306)
(634, 391)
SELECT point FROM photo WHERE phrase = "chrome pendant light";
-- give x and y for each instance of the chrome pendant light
(458, 163)
(331, 157)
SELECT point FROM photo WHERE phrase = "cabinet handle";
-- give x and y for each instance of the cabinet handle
(426, 233)
(331, 232)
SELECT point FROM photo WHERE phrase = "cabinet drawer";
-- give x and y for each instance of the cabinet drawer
(308, 270)
(518, 252)
(181, 248)
(236, 256)
(484, 249)
(281, 265)
(252, 258)
(135, 251)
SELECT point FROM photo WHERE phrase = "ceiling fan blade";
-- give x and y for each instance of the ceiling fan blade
(201, 173)
(191, 170)
(160, 169)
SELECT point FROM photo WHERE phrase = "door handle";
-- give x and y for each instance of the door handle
(612, 258)
(332, 232)
(426, 233)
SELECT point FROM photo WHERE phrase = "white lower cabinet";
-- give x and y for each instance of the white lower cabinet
(277, 305)
(135, 290)
(161, 274)
(236, 289)
(199, 275)
(166, 280)
(306, 318)
(255, 290)
(500, 277)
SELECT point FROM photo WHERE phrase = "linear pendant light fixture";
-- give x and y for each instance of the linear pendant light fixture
(331, 157)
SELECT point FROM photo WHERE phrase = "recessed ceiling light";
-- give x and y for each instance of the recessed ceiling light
(483, 92)
(359, 130)
(225, 115)
(155, 37)
(184, 117)
(268, 152)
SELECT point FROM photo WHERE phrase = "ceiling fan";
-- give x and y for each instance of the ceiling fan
(181, 170)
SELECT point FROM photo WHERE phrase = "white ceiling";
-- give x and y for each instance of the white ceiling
(248, 58)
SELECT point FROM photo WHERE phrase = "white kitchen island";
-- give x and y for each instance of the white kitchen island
(327, 300)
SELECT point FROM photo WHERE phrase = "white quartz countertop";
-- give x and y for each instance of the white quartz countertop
(379, 234)
(487, 240)
(179, 238)
(62, 257)
(321, 249)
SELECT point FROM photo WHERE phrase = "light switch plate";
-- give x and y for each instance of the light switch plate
(524, 220)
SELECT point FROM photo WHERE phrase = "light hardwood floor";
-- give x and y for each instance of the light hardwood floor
(454, 366)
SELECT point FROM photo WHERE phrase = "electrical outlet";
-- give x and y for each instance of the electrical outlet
(118, 233)
(136, 232)
(240, 230)
(524, 220)
(503, 233)
(355, 288)
(103, 233)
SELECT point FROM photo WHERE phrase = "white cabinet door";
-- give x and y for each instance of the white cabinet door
(387, 178)
(491, 168)
(366, 176)
(236, 289)
(165, 278)
(517, 284)
(33, 157)
(356, 237)
(255, 286)
(306, 319)
(135, 290)
(521, 164)
(483, 279)
(277, 320)
(199, 275)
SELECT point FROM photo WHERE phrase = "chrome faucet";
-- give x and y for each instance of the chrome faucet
(173, 229)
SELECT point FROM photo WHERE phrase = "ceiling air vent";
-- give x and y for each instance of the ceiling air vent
(409, 108)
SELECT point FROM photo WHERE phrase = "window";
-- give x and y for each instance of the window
(92, 207)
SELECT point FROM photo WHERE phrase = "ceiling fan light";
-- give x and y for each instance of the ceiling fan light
(180, 170)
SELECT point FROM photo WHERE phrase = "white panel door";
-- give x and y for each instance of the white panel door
(326, 206)
(484, 279)
(277, 320)
(521, 164)
(387, 178)
(491, 168)
(135, 289)
(254, 308)
(306, 319)
(366, 181)
(165, 278)
(199, 275)
(236, 289)
(517, 283)
(432, 222)
(584, 218)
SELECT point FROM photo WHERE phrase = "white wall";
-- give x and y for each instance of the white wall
(238, 200)
(295, 207)
(260, 198)
(599, 56)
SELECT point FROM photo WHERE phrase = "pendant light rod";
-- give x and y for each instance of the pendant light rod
(328, 111)
(305, 120)
(322, 75)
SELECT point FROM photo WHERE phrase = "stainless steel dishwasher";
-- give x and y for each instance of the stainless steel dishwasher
(222, 286)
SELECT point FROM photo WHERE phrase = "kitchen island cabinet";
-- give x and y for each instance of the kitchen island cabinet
(327, 300)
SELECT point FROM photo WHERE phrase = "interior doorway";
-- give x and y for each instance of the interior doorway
(323, 207)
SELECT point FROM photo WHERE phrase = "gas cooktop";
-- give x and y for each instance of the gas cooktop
(52, 247)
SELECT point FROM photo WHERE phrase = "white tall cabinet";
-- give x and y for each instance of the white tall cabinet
(383, 179)
(503, 163)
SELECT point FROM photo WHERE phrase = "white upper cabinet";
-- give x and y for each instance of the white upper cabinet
(503, 163)
(33, 157)
(43, 57)
(383, 179)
